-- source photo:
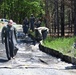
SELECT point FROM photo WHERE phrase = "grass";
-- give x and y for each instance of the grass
(63, 45)
(31, 32)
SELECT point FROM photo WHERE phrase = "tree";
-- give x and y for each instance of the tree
(62, 17)
(75, 17)
(18, 9)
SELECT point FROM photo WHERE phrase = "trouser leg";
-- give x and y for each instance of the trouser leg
(44, 34)
(11, 49)
(7, 51)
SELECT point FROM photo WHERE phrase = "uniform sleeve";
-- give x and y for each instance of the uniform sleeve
(15, 32)
(3, 34)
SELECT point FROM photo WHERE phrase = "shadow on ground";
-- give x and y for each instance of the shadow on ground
(3, 60)
(70, 67)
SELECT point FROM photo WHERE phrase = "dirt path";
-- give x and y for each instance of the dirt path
(31, 61)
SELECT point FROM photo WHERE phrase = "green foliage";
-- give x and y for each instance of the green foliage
(18, 9)
(31, 32)
(64, 45)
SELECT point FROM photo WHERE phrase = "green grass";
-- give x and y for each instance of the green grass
(63, 44)
(31, 32)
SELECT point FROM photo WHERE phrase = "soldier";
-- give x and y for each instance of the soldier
(8, 36)
(25, 25)
(32, 20)
(37, 23)
(41, 33)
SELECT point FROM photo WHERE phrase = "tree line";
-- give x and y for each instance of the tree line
(18, 9)
(61, 17)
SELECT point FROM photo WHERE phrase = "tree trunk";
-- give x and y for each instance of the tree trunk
(74, 17)
(62, 17)
(56, 17)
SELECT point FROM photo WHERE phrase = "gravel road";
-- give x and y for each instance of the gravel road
(29, 60)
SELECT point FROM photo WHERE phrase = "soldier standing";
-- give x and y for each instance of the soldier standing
(32, 20)
(25, 25)
(8, 36)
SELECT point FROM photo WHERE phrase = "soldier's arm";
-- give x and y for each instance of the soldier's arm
(15, 32)
(3, 34)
